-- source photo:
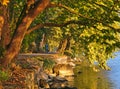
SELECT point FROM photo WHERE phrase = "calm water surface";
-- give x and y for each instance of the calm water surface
(87, 79)
(114, 74)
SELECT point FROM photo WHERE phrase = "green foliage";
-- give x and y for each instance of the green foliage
(95, 40)
(100, 44)
(16, 8)
(95, 36)
(4, 75)
(48, 64)
(27, 42)
(2, 51)
(53, 37)
(69, 53)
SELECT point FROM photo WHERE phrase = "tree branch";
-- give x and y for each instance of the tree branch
(103, 6)
(72, 11)
(51, 5)
(16, 41)
(31, 14)
(79, 14)
(41, 25)
(68, 22)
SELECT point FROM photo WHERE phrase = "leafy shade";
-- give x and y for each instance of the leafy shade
(100, 43)
(80, 27)
(92, 26)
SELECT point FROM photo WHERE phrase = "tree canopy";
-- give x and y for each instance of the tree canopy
(90, 28)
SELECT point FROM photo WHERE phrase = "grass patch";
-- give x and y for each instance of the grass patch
(48, 64)
(4, 75)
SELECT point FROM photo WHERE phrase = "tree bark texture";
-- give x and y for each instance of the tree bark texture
(62, 46)
(19, 34)
(4, 27)
(68, 44)
(1, 26)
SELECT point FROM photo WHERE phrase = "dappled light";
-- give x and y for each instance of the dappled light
(58, 43)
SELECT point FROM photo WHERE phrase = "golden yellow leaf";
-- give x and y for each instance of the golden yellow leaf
(5, 2)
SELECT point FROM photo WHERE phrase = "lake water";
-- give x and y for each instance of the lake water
(86, 78)
(114, 74)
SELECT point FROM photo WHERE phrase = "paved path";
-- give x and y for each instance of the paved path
(30, 55)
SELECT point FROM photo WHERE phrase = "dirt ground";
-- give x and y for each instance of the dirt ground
(17, 72)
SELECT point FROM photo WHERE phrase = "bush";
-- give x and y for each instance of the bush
(2, 51)
(48, 64)
(4, 75)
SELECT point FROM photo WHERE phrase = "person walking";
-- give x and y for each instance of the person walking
(46, 48)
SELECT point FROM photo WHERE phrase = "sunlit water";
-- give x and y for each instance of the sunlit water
(85, 78)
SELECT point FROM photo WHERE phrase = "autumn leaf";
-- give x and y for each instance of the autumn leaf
(4, 2)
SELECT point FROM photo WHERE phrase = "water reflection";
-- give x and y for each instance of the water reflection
(86, 78)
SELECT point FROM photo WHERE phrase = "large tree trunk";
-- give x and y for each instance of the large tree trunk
(4, 27)
(62, 46)
(1, 26)
(16, 41)
(68, 44)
